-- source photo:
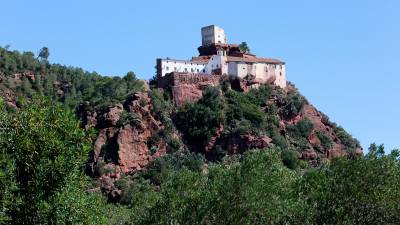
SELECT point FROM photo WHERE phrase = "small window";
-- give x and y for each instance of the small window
(198, 70)
(167, 68)
(186, 69)
(174, 68)
(280, 73)
(192, 70)
(204, 70)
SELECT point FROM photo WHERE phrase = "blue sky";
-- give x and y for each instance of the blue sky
(342, 55)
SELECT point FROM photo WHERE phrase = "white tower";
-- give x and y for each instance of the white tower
(212, 35)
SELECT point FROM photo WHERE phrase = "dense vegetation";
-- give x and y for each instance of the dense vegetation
(42, 183)
(43, 150)
(69, 85)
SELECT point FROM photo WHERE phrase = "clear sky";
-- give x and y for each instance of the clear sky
(343, 55)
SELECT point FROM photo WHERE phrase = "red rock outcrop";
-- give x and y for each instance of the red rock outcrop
(124, 145)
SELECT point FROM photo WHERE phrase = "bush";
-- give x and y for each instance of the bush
(200, 121)
(293, 105)
(161, 168)
(290, 159)
(128, 118)
(326, 141)
(302, 129)
(347, 140)
(47, 150)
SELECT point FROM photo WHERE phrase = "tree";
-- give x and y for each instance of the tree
(244, 47)
(45, 149)
(44, 53)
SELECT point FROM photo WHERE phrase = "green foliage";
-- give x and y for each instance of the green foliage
(128, 118)
(244, 47)
(239, 113)
(68, 85)
(199, 121)
(159, 170)
(42, 152)
(290, 159)
(348, 141)
(44, 53)
(361, 191)
(326, 141)
(255, 192)
(302, 129)
(292, 105)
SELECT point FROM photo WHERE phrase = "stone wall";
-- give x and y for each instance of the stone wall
(176, 78)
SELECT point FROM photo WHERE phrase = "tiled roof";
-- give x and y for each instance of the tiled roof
(252, 59)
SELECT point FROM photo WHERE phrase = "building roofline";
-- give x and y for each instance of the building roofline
(181, 60)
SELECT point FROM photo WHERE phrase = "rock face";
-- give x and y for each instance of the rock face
(187, 87)
(121, 147)
(239, 143)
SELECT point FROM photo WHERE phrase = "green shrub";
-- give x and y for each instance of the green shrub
(290, 159)
(48, 150)
(326, 141)
(348, 141)
(128, 118)
(199, 121)
(293, 105)
(301, 129)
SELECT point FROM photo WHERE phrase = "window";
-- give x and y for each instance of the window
(192, 70)
(198, 70)
(167, 68)
(186, 69)
(204, 70)
(174, 68)
(266, 69)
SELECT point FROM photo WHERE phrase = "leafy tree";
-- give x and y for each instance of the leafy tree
(47, 150)
(360, 191)
(244, 47)
(301, 129)
(292, 105)
(44, 53)
(199, 121)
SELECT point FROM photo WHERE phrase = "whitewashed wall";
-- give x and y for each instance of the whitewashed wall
(169, 65)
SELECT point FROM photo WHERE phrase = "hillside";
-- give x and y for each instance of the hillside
(147, 148)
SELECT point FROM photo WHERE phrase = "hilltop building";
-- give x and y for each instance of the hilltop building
(217, 57)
